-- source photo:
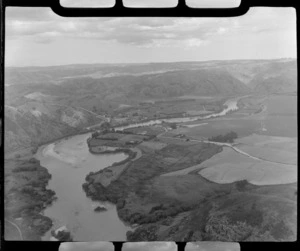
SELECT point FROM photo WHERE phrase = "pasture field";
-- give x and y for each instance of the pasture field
(207, 129)
(112, 135)
(132, 137)
(282, 105)
(183, 171)
(280, 125)
(230, 166)
(108, 175)
(277, 149)
(149, 130)
(155, 145)
(280, 116)
(185, 188)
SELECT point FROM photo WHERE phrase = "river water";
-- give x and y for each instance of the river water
(69, 161)
(231, 105)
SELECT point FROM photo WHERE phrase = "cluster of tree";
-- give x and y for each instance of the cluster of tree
(95, 134)
(27, 168)
(227, 138)
(156, 213)
(100, 209)
(172, 125)
(220, 229)
(62, 235)
(40, 194)
(256, 226)
(115, 194)
(148, 233)
(242, 185)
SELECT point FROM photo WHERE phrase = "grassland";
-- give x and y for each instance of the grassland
(277, 149)
(230, 166)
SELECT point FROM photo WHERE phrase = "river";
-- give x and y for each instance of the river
(231, 105)
(69, 161)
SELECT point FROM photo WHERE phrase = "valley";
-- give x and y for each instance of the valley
(142, 142)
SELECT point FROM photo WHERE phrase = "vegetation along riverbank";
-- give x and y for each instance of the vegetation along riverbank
(26, 196)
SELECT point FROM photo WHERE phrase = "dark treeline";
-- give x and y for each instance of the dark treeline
(226, 138)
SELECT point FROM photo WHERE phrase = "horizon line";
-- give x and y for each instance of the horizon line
(153, 62)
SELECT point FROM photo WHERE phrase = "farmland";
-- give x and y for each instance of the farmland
(184, 189)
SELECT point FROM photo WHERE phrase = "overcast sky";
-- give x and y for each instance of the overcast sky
(86, 246)
(37, 36)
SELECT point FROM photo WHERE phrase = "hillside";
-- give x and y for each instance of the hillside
(45, 103)
(33, 123)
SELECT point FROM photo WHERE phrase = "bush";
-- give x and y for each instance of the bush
(227, 138)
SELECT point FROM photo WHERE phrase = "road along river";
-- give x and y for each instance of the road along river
(69, 161)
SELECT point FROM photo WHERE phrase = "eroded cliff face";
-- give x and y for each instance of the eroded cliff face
(32, 124)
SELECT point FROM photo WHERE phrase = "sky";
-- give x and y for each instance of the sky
(86, 246)
(149, 246)
(39, 37)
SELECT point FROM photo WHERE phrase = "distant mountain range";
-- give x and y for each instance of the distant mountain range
(44, 103)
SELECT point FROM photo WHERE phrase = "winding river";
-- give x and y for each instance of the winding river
(231, 105)
(69, 161)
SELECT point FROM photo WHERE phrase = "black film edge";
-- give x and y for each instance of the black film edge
(181, 10)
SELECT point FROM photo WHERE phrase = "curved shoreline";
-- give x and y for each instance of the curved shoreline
(131, 154)
(59, 219)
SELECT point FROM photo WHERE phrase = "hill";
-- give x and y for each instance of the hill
(45, 103)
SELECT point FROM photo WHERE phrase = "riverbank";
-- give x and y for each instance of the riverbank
(190, 207)
(107, 175)
(128, 191)
(26, 196)
(73, 209)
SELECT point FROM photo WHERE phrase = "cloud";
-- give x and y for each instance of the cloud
(41, 25)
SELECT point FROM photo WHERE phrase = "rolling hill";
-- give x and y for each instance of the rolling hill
(45, 103)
